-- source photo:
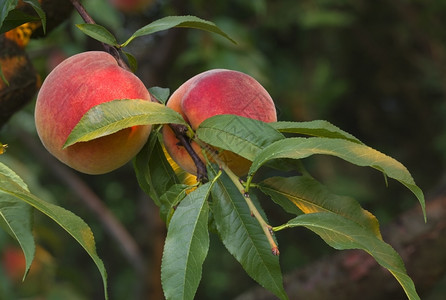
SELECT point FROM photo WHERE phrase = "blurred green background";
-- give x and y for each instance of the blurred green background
(376, 69)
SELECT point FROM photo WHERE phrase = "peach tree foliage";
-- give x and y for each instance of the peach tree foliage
(223, 203)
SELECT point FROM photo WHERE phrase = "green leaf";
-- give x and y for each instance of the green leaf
(186, 245)
(12, 175)
(170, 199)
(320, 128)
(5, 8)
(244, 136)
(16, 217)
(341, 233)
(352, 152)
(99, 33)
(133, 64)
(161, 94)
(110, 117)
(16, 18)
(153, 171)
(36, 5)
(310, 196)
(243, 237)
(71, 223)
(177, 21)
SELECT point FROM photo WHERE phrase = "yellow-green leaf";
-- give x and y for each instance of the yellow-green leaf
(110, 117)
(310, 196)
(342, 233)
(358, 154)
(71, 223)
(177, 21)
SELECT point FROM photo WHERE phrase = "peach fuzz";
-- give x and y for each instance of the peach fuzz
(217, 92)
(69, 91)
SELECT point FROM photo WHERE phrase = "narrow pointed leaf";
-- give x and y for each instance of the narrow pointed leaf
(71, 223)
(154, 174)
(358, 154)
(16, 18)
(186, 246)
(36, 5)
(16, 217)
(161, 94)
(310, 196)
(98, 33)
(110, 117)
(133, 63)
(170, 199)
(320, 128)
(5, 9)
(341, 233)
(243, 237)
(244, 136)
(177, 21)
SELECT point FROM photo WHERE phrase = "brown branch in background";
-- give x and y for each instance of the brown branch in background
(113, 226)
(116, 53)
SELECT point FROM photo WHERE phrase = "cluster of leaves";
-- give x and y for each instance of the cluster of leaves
(101, 34)
(16, 201)
(220, 205)
(12, 17)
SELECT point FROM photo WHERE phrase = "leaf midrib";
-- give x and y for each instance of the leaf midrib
(246, 230)
(233, 135)
(316, 205)
(190, 244)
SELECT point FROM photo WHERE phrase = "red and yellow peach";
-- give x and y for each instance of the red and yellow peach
(69, 91)
(211, 93)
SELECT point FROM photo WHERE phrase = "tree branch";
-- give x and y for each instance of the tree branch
(180, 133)
(115, 52)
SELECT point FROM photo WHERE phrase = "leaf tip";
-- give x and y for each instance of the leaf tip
(67, 143)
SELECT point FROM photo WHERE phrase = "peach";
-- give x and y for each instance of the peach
(211, 93)
(69, 91)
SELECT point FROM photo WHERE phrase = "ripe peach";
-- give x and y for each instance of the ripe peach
(70, 90)
(217, 92)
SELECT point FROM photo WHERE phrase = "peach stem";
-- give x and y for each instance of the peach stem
(184, 134)
(181, 133)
